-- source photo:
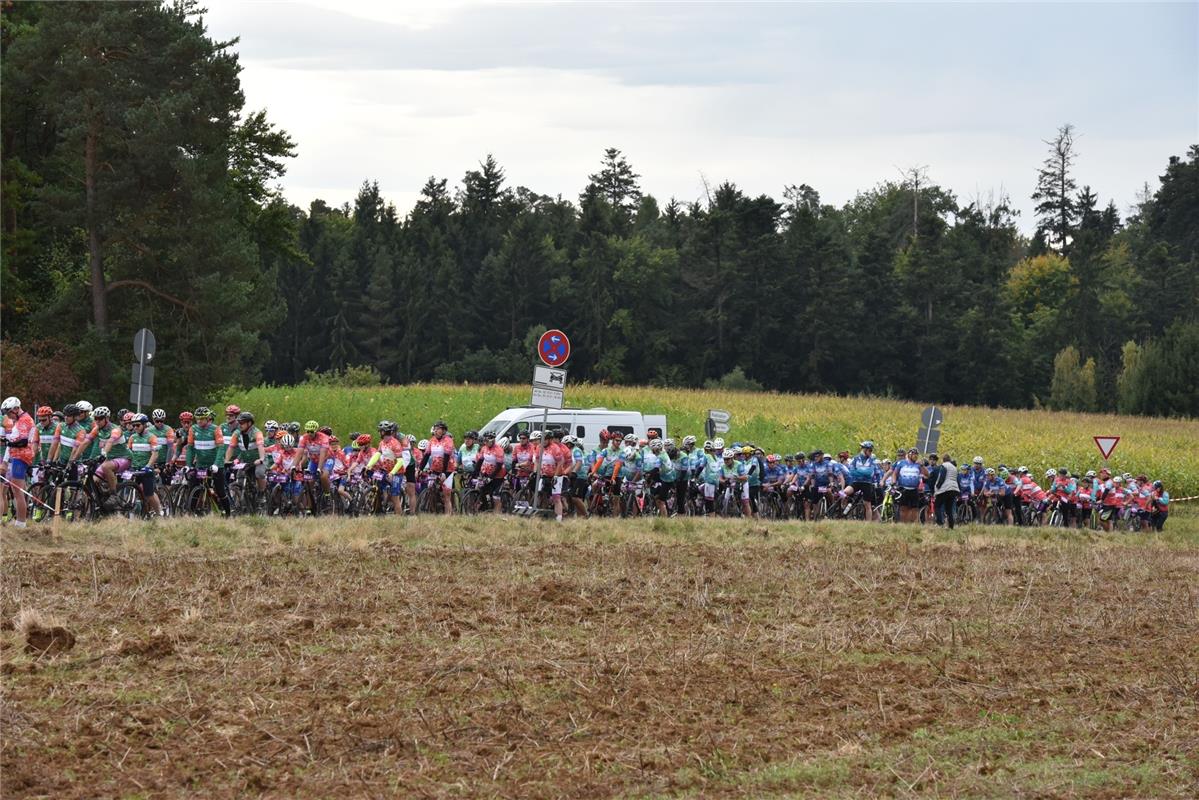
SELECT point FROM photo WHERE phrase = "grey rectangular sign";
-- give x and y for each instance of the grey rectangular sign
(547, 398)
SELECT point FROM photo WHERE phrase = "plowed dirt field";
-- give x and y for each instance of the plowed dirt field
(439, 659)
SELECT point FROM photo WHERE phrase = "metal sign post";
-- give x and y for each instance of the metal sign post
(549, 387)
(718, 422)
(930, 430)
(141, 383)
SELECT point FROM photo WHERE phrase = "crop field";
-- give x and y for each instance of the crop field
(1161, 448)
(653, 658)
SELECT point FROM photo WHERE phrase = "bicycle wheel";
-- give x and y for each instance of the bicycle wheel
(471, 501)
(129, 502)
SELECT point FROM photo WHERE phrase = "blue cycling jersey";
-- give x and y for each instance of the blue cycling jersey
(863, 468)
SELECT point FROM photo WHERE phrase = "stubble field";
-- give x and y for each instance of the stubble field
(515, 658)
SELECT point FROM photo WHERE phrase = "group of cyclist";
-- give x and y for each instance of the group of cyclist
(657, 475)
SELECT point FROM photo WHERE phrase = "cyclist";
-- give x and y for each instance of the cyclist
(734, 476)
(490, 466)
(820, 476)
(659, 474)
(85, 415)
(230, 423)
(182, 435)
(164, 435)
(468, 454)
(688, 464)
(556, 462)
(44, 432)
(439, 460)
(315, 445)
(67, 435)
(1161, 506)
(909, 475)
(394, 457)
(577, 477)
(96, 443)
(1114, 501)
(143, 456)
(1064, 490)
(18, 456)
(864, 472)
(524, 453)
(755, 465)
(203, 442)
(247, 446)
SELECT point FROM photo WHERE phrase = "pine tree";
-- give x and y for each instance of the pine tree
(1057, 208)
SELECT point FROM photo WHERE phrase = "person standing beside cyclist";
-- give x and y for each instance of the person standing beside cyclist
(946, 490)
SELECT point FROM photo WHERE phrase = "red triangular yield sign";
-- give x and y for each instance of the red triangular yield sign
(1106, 445)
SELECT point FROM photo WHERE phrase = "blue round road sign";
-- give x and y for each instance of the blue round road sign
(553, 348)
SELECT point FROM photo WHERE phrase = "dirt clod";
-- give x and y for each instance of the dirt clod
(40, 641)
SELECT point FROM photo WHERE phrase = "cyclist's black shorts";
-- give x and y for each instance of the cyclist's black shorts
(410, 472)
(866, 490)
(910, 498)
(662, 490)
(579, 485)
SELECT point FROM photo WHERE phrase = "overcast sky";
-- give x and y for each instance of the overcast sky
(765, 95)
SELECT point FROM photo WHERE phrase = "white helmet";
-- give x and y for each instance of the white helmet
(708, 444)
(1050, 473)
(630, 438)
(158, 415)
(84, 407)
(656, 444)
(9, 404)
(688, 440)
(978, 459)
(568, 439)
(1090, 474)
(502, 442)
(423, 444)
(102, 411)
(535, 436)
(718, 443)
(668, 443)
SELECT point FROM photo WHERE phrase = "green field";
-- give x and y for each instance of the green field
(1161, 448)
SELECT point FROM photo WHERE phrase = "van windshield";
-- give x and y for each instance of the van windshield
(496, 426)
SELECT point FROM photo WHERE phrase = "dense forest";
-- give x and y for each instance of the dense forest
(138, 191)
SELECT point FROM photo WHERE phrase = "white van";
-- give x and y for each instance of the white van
(585, 423)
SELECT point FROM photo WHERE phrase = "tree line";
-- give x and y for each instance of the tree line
(139, 192)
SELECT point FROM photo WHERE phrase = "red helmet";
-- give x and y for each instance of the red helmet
(232, 409)
(186, 416)
(604, 435)
(44, 411)
(334, 440)
(364, 439)
(125, 420)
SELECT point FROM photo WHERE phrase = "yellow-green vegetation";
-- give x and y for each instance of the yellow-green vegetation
(1160, 448)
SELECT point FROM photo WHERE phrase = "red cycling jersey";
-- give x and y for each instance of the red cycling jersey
(21, 429)
(490, 461)
(313, 443)
(441, 454)
(523, 456)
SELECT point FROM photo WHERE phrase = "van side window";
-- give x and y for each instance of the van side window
(579, 432)
(620, 430)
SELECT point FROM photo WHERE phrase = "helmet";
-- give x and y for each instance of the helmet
(441, 424)
(1127, 476)
(1022, 470)
(885, 461)
(471, 435)
(867, 445)
(84, 406)
(127, 418)
(656, 444)
(978, 460)
(287, 441)
(293, 428)
(502, 442)
(728, 453)
(772, 458)
(424, 444)
(488, 435)
(411, 438)
(334, 440)
(708, 444)
(44, 411)
(1157, 484)
(140, 419)
(801, 456)
(630, 438)
(1050, 473)
(232, 409)
(186, 416)
(567, 439)
(551, 433)
(604, 435)
(9, 404)
(71, 410)
(245, 416)
(101, 412)
(668, 444)
(718, 443)
(1003, 473)
(990, 471)
(1063, 471)
(158, 415)
(325, 429)
(1118, 479)
(272, 425)
(311, 426)
(747, 451)
(843, 454)
(362, 440)
(688, 440)
(203, 411)
(535, 436)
